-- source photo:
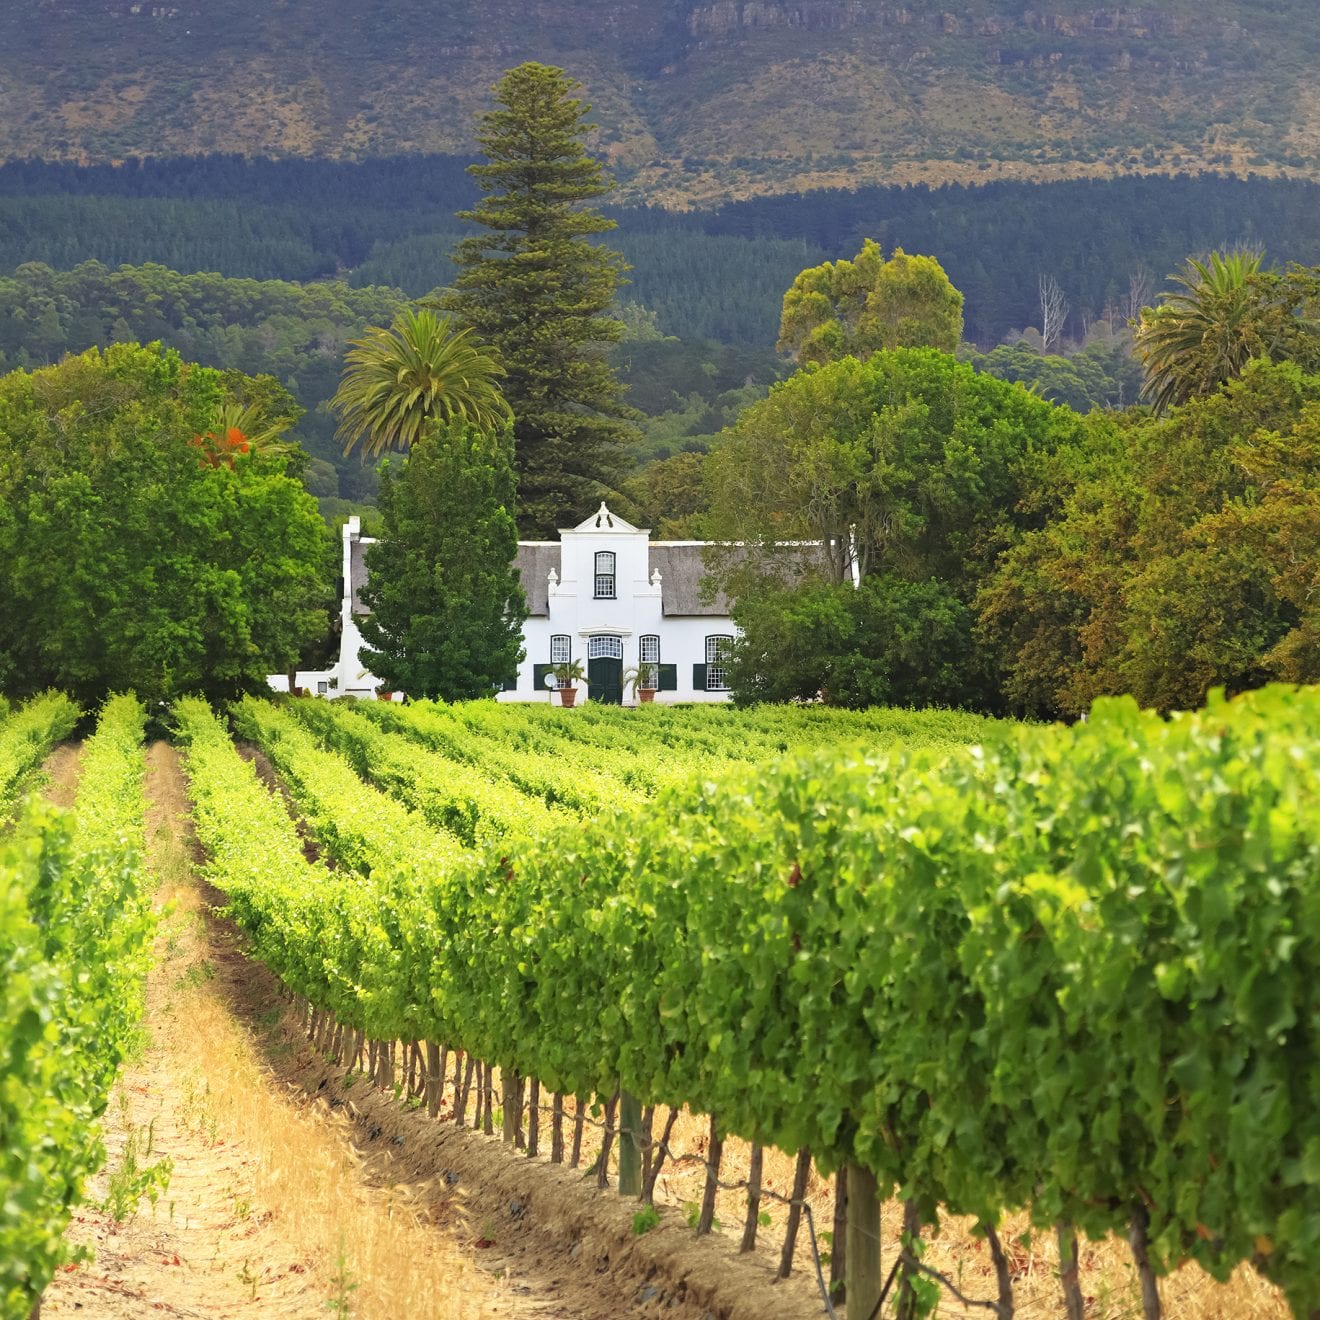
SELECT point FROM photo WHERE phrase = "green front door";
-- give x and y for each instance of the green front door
(605, 681)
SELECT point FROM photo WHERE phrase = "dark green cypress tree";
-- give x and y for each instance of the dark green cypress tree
(447, 607)
(537, 289)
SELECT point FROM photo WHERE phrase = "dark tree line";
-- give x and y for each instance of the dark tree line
(716, 274)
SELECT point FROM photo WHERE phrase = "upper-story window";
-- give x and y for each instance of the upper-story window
(605, 575)
(717, 663)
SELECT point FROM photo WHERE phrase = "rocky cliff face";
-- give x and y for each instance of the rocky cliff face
(694, 97)
(727, 17)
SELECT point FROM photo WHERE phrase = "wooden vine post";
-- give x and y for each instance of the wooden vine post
(862, 1244)
(839, 1246)
(750, 1220)
(511, 1085)
(630, 1150)
(1074, 1304)
(714, 1154)
(801, 1171)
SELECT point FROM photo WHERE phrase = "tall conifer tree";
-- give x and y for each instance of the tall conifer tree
(536, 288)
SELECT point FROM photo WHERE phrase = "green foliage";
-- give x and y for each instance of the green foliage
(1225, 312)
(910, 468)
(891, 642)
(26, 736)
(135, 548)
(536, 289)
(295, 333)
(1176, 554)
(75, 931)
(1068, 970)
(398, 382)
(131, 1179)
(669, 497)
(853, 308)
(1103, 374)
(447, 606)
(645, 1220)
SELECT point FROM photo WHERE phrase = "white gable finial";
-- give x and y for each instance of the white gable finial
(603, 515)
(656, 578)
(553, 576)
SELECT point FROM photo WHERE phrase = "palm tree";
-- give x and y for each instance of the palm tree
(397, 381)
(1206, 332)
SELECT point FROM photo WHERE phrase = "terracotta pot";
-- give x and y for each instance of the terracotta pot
(646, 694)
(567, 696)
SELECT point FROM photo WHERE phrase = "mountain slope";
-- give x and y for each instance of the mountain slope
(696, 98)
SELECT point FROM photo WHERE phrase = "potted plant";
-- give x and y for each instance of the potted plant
(566, 675)
(644, 680)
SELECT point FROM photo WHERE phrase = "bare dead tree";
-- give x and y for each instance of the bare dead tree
(1140, 292)
(1053, 312)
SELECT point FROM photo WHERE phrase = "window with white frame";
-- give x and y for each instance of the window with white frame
(605, 575)
(648, 660)
(605, 648)
(561, 653)
(717, 663)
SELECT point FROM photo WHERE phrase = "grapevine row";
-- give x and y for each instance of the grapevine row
(1075, 971)
(75, 927)
(26, 735)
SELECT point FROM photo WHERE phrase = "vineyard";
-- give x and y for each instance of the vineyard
(992, 969)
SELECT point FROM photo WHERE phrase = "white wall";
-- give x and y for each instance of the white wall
(634, 613)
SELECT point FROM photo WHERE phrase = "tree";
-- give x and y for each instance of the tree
(853, 308)
(910, 468)
(1176, 554)
(536, 288)
(891, 642)
(905, 462)
(397, 381)
(669, 496)
(141, 545)
(447, 607)
(1053, 311)
(1223, 312)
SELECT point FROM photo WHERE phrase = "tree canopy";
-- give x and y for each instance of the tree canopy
(143, 544)
(447, 606)
(1223, 312)
(908, 468)
(397, 381)
(1178, 554)
(852, 308)
(536, 288)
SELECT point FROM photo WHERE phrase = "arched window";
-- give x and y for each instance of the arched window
(648, 649)
(717, 661)
(604, 648)
(605, 575)
(561, 649)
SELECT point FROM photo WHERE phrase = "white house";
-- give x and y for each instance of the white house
(604, 594)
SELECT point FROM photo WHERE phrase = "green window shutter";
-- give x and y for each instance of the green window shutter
(510, 684)
(668, 678)
(699, 677)
(538, 676)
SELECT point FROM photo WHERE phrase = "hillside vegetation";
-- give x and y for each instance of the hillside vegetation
(695, 99)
